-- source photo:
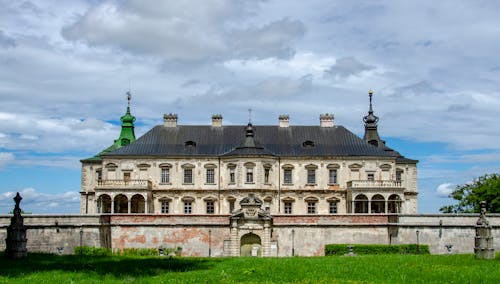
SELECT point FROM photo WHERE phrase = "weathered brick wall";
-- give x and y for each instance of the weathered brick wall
(310, 233)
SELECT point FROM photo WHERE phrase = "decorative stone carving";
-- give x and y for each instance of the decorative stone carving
(483, 245)
(16, 233)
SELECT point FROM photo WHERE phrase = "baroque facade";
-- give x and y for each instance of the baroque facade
(210, 169)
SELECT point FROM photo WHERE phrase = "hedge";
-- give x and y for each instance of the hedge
(341, 249)
(96, 251)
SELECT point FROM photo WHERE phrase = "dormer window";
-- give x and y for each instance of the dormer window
(190, 144)
(308, 144)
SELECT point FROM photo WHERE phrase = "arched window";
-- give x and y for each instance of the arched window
(378, 204)
(361, 204)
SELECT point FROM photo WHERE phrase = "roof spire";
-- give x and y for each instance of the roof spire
(371, 133)
(249, 116)
(129, 97)
(370, 119)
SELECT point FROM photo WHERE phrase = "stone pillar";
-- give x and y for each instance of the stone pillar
(266, 240)
(483, 243)
(129, 202)
(112, 206)
(235, 242)
(16, 233)
(352, 207)
(369, 207)
(386, 207)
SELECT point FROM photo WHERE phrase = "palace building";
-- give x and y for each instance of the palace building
(217, 169)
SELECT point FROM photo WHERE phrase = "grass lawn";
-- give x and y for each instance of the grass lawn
(45, 268)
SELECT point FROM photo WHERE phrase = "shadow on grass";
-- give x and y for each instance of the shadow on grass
(117, 266)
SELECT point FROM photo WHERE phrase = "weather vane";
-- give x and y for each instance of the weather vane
(129, 97)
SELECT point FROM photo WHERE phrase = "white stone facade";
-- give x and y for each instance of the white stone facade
(355, 176)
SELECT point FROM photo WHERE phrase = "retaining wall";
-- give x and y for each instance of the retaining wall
(198, 234)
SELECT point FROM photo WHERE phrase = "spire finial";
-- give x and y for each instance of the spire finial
(129, 97)
(249, 116)
(370, 94)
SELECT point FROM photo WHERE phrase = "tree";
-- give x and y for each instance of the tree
(469, 195)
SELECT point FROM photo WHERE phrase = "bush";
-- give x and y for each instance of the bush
(95, 251)
(92, 251)
(341, 249)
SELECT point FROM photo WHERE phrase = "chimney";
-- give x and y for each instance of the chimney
(217, 120)
(170, 120)
(284, 120)
(326, 120)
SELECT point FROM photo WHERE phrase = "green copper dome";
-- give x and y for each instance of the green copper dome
(127, 134)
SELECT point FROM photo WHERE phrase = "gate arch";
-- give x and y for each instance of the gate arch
(250, 245)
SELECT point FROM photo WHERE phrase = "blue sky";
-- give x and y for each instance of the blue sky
(65, 67)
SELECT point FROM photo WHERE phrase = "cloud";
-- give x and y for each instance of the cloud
(347, 66)
(23, 131)
(36, 202)
(443, 190)
(5, 158)
(169, 32)
(6, 41)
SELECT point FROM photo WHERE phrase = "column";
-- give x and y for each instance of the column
(266, 240)
(112, 205)
(146, 206)
(129, 202)
(385, 202)
(369, 207)
(352, 206)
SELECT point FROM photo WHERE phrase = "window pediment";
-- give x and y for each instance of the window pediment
(385, 167)
(111, 166)
(143, 166)
(165, 165)
(311, 199)
(187, 199)
(187, 166)
(355, 166)
(287, 167)
(333, 166)
(210, 166)
(311, 167)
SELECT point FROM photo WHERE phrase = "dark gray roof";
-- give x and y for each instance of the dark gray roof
(270, 140)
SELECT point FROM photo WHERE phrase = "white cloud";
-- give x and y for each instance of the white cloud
(5, 159)
(443, 190)
(36, 202)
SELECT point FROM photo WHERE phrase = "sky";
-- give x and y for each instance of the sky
(65, 67)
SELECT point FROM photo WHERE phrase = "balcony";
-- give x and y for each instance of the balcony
(124, 184)
(374, 184)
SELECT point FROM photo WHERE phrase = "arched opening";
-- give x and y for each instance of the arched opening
(361, 204)
(121, 204)
(378, 204)
(394, 204)
(250, 245)
(104, 204)
(137, 204)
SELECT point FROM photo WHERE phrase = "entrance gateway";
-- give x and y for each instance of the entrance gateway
(250, 233)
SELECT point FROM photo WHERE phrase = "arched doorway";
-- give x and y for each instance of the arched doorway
(361, 204)
(104, 204)
(121, 204)
(394, 204)
(137, 204)
(250, 245)
(378, 204)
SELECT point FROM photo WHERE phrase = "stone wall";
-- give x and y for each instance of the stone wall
(196, 234)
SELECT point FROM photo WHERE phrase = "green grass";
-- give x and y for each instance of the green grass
(45, 268)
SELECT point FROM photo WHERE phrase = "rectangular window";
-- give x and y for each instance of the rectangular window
(288, 207)
(311, 207)
(371, 176)
(232, 177)
(98, 174)
(287, 176)
(126, 176)
(165, 206)
(332, 177)
(311, 176)
(231, 206)
(210, 176)
(266, 175)
(398, 175)
(165, 175)
(188, 176)
(210, 207)
(188, 208)
(249, 175)
(333, 207)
